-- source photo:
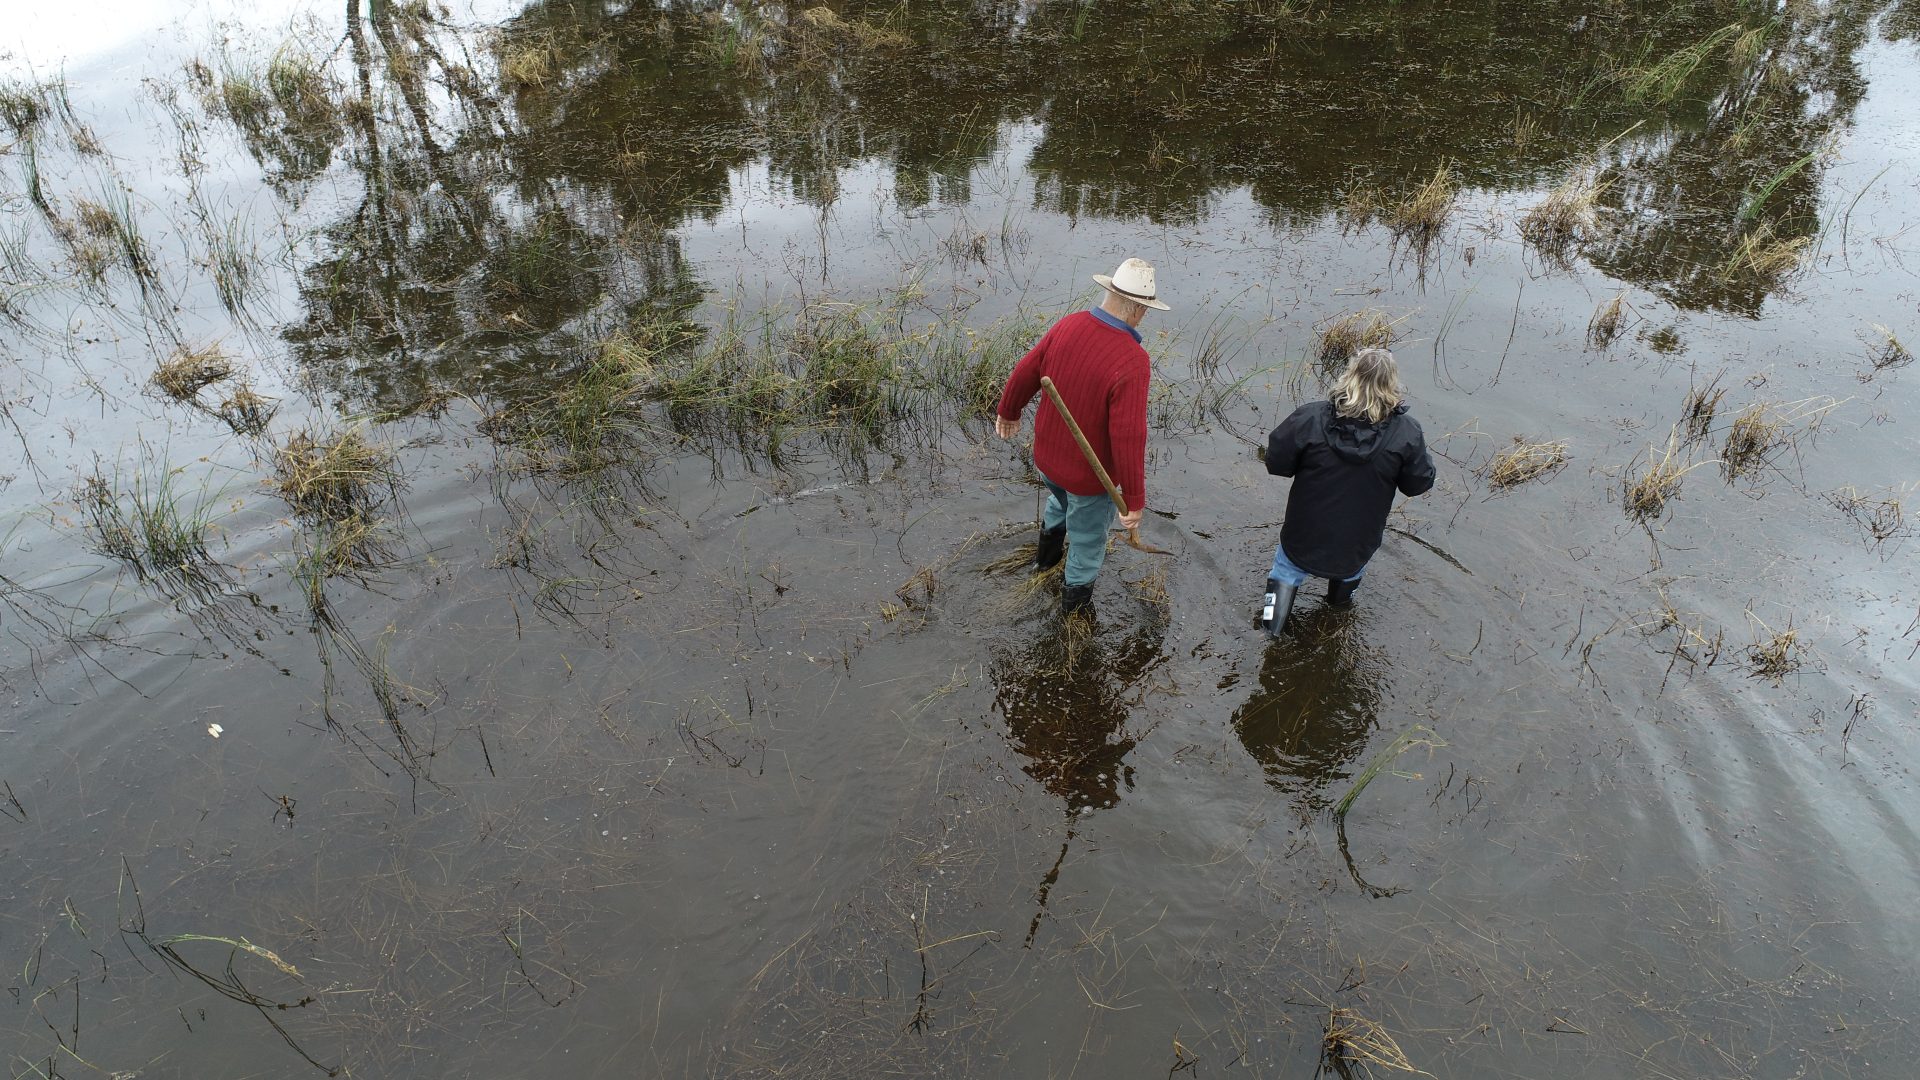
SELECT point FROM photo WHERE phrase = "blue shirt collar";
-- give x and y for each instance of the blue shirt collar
(1116, 322)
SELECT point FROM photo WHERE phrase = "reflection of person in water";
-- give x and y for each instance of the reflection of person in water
(1066, 710)
(1314, 708)
(1066, 714)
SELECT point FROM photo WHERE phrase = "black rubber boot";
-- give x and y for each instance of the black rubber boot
(1077, 600)
(1340, 593)
(1053, 545)
(1276, 606)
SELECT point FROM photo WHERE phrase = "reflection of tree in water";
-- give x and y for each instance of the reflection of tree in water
(518, 190)
(1315, 706)
(1720, 209)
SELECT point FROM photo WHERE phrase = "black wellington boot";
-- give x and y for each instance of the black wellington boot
(1340, 593)
(1053, 545)
(1077, 600)
(1276, 606)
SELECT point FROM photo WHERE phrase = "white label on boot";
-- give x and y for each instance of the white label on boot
(1266, 611)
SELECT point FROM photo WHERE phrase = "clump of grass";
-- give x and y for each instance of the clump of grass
(230, 258)
(851, 370)
(1151, 588)
(1698, 408)
(1525, 461)
(246, 411)
(1647, 491)
(1019, 560)
(1774, 655)
(1565, 217)
(1360, 205)
(188, 371)
(1662, 81)
(1419, 217)
(1755, 438)
(1526, 129)
(526, 61)
(333, 477)
(1608, 322)
(1764, 255)
(300, 86)
(818, 29)
(1881, 518)
(1885, 350)
(94, 220)
(151, 525)
(1353, 1041)
(1417, 735)
(1343, 335)
(24, 106)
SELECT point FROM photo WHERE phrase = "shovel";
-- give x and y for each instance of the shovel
(1093, 459)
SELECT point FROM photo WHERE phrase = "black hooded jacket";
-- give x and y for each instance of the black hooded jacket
(1345, 472)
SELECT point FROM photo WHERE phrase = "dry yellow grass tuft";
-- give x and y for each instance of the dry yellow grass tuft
(187, 371)
(1646, 492)
(334, 478)
(1565, 217)
(1354, 1040)
(1420, 216)
(1345, 334)
(1525, 461)
(1775, 654)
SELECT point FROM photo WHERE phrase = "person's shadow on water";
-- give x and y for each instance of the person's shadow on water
(1066, 699)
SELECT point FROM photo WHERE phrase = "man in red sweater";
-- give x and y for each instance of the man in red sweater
(1096, 363)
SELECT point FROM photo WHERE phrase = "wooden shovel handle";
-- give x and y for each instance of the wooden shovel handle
(1086, 448)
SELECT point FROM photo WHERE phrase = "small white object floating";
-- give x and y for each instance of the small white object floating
(215, 730)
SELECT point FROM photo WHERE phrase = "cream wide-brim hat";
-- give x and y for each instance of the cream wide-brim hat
(1133, 279)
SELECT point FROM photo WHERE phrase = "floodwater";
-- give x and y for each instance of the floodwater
(705, 731)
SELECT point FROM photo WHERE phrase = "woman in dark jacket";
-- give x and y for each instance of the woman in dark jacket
(1347, 456)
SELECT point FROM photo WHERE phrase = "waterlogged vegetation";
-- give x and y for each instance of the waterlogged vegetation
(510, 498)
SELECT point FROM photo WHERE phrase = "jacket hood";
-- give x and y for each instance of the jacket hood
(1353, 438)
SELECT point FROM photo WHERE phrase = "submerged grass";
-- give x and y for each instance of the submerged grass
(148, 522)
(1699, 407)
(1663, 80)
(1609, 321)
(1417, 735)
(1885, 350)
(1879, 517)
(850, 375)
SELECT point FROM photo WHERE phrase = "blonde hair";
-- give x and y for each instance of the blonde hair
(1370, 387)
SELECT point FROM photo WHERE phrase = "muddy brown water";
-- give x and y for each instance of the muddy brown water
(711, 763)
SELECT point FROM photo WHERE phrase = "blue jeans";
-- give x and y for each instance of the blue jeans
(1286, 573)
(1087, 518)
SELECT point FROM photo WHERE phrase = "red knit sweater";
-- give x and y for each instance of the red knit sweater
(1101, 373)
